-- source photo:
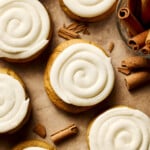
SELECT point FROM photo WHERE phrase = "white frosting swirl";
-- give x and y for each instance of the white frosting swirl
(34, 148)
(13, 104)
(24, 28)
(120, 129)
(89, 8)
(82, 75)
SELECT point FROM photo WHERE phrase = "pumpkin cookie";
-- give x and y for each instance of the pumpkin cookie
(78, 76)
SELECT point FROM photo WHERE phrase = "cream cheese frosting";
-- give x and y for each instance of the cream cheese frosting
(120, 128)
(13, 103)
(34, 148)
(82, 75)
(24, 28)
(89, 8)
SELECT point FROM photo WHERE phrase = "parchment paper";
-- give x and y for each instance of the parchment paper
(45, 112)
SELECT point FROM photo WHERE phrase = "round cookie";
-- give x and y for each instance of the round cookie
(34, 145)
(88, 10)
(14, 102)
(78, 76)
(25, 29)
(120, 128)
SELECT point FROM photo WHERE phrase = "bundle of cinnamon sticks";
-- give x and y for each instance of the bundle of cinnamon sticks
(137, 69)
(136, 19)
(72, 30)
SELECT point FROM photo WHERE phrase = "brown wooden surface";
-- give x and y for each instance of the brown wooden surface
(45, 112)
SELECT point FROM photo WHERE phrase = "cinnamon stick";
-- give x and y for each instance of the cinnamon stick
(137, 79)
(124, 70)
(138, 41)
(135, 7)
(111, 46)
(72, 26)
(136, 62)
(67, 34)
(145, 50)
(64, 133)
(145, 12)
(67, 37)
(148, 39)
(130, 21)
(80, 28)
(72, 31)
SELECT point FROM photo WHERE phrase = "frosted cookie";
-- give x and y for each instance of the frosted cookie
(88, 10)
(120, 128)
(34, 145)
(14, 102)
(25, 29)
(78, 76)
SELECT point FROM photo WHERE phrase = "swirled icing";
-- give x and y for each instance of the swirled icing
(34, 148)
(82, 75)
(13, 103)
(120, 129)
(24, 28)
(89, 8)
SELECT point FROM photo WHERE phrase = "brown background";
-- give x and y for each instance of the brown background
(45, 112)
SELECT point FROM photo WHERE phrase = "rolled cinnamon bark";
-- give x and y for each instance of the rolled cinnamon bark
(145, 12)
(138, 41)
(137, 79)
(148, 39)
(145, 50)
(64, 133)
(135, 8)
(130, 21)
(136, 62)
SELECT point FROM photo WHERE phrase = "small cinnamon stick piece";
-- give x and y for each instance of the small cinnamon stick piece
(67, 37)
(111, 46)
(40, 130)
(67, 34)
(77, 27)
(130, 21)
(138, 41)
(136, 62)
(64, 133)
(80, 28)
(137, 79)
(86, 31)
(72, 26)
(124, 70)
